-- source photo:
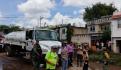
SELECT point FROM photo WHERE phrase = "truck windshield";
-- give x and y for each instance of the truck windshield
(45, 35)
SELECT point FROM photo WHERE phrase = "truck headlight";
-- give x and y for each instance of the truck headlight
(44, 48)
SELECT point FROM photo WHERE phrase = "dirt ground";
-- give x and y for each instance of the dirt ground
(16, 63)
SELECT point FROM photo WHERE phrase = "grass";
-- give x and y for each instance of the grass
(114, 60)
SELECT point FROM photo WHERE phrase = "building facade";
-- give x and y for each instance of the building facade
(80, 34)
(116, 32)
(96, 28)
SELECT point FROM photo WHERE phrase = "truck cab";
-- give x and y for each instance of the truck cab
(46, 38)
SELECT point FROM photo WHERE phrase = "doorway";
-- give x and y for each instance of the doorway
(118, 44)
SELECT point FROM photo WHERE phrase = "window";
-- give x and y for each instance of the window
(92, 28)
(45, 35)
(63, 31)
(119, 23)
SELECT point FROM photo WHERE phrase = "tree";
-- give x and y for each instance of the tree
(106, 36)
(6, 29)
(98, 10)
(69, 33)
(14, 28)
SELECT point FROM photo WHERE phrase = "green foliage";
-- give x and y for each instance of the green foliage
(69, 33)
(115, 58)
(106, 36)
(6, 29)
(98, 10)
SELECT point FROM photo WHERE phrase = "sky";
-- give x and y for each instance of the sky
(27, 13)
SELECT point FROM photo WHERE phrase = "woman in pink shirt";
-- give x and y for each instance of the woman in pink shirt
(70, 48)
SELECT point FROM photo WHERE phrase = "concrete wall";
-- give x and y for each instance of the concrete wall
(115, 35)
(114, 47)
(80, 35)
(115, 31)
(82, 38)
(80, 30)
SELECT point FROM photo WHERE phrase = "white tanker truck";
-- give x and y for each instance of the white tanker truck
(22, 41)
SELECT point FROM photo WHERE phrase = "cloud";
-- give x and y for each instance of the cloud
(36, 8)
(56, 20)
(61, 19)
(85, 3)
(33, 9)
(1, 15)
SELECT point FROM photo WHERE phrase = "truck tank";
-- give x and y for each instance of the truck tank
(16, 36)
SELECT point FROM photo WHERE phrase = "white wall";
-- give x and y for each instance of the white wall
(81, 39)
(115, 31)
(115, 48)
(115, 34)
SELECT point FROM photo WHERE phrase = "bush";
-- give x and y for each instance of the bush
(115, 58)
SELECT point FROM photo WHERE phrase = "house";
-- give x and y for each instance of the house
(96, 28)
(80, 34)
(116, 32)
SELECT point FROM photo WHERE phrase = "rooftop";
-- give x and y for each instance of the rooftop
(116, 15)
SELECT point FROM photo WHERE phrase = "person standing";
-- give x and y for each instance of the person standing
(85, 60)
(109, 45)
(79, 56)
(36, 56)
(106, 58)
(102, 45)
(64, 57)
(97, 46)
(51, 58)
(70, 48)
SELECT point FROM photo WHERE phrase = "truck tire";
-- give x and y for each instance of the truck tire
(8, 51)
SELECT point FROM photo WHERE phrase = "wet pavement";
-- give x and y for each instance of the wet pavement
(16, 63)
(1, 63)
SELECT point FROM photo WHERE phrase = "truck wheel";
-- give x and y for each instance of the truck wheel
(8, 51)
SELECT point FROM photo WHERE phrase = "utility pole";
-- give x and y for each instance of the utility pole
(41, 20)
